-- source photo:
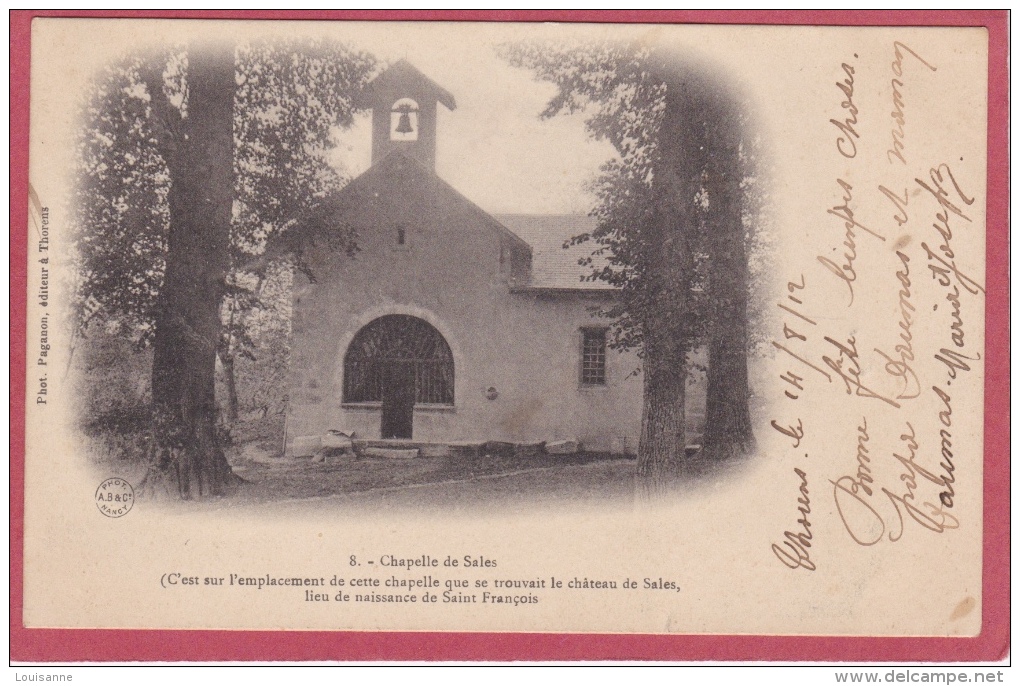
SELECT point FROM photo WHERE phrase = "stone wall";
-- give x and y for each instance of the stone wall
(525, 345)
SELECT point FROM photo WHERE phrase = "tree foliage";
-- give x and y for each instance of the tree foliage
(673, 224)
(621, 87)
(290, 98)
(190, 160)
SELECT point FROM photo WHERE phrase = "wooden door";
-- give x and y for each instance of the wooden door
(398, 400)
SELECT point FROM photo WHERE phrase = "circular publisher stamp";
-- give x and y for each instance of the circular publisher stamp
(115, 497)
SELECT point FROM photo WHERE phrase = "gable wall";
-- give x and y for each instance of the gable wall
(525, 345)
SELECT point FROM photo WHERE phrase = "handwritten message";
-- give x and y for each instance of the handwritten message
(889, 252)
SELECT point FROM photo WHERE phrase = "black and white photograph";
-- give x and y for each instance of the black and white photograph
(426, 326)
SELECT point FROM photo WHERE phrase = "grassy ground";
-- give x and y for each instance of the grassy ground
(256, 458)
(452, 483)
(507, 486)
(277, 478)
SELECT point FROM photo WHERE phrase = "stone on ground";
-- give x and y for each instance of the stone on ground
(391, 453)
(561, 447)
(435, 450)
(498, 449)
(529, 449)
(305, 446)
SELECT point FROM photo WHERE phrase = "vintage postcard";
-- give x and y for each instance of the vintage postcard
(639, 329)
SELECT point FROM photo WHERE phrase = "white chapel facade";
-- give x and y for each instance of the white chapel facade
(449, 324)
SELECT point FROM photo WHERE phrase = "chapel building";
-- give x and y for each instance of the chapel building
(450, 324)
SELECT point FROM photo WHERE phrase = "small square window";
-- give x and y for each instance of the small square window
(593, 357)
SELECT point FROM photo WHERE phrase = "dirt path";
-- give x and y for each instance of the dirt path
(450, 482)
(452, 485)
(504, 485)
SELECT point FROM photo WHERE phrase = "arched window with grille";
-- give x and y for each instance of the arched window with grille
(393, 350)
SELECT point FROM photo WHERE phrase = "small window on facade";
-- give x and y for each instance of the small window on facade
(400, 236)
(593, 357)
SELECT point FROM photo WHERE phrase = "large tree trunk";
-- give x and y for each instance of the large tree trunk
(728, 430)
(665, 333)
(663, 429)
(187, 454)
(226, 355)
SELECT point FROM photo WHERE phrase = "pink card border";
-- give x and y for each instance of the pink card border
(73, 645)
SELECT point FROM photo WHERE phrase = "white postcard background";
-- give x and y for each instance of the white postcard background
(83, 569)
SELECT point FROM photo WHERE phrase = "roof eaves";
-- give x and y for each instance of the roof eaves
(336, 200)
(442, 95)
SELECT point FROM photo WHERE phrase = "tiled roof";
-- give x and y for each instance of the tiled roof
(552, 266)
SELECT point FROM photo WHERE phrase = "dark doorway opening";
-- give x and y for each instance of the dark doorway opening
(398, 400)
(398, 361)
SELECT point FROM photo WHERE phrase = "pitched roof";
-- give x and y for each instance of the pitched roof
(400, 73)
(358, 190)
(552, 265)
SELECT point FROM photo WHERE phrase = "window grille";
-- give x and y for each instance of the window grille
(397, 340)
(593, 357)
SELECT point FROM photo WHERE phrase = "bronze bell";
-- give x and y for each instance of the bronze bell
(404, 125)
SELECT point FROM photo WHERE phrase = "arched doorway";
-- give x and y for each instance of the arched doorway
(398, 360)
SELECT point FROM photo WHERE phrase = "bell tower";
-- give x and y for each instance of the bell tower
(404, 104)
